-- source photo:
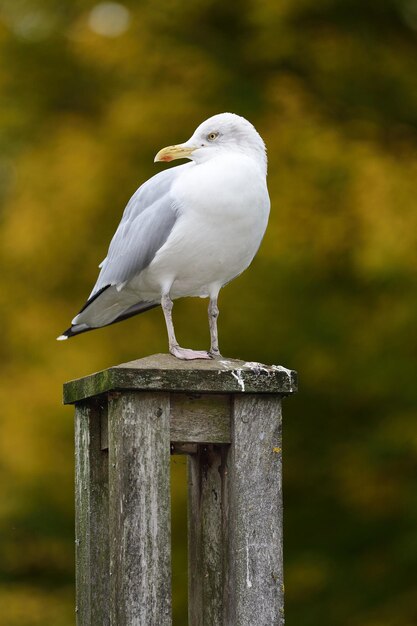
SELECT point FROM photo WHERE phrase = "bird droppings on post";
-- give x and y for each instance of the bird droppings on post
(281, 368)
(164, 372)
(258, 369)
(237, 374)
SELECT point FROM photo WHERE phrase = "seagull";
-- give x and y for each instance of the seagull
(187, 231)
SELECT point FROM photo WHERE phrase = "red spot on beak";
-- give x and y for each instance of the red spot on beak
(166, 158)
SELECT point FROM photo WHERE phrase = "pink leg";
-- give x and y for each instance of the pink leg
(181, 353)
(213, 313)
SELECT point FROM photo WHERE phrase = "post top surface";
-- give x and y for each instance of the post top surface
(163, 372)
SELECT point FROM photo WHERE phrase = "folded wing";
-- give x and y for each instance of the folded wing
(146, 224)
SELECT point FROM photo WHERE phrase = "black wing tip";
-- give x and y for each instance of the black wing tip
(82, 328)
(70, 332)
(78, 329)
(74, 330)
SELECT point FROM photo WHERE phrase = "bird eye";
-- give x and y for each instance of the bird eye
(212, 136)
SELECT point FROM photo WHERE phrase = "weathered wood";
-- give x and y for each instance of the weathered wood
(184, 448)
(206, 536)
(163, 372)
(91, 522)
(254, 560)
(198, 418)
(226, 416)
(140, 533)
(104, 429)
(203, 418)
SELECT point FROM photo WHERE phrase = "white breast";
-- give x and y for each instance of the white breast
(223, 209)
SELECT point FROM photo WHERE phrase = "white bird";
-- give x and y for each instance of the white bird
(187, 231)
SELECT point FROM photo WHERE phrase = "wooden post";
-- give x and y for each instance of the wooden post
(226, 416)
(91, 522)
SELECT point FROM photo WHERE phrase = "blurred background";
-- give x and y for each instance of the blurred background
(89, 92)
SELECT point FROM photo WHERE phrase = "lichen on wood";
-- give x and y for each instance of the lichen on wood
(163, 372)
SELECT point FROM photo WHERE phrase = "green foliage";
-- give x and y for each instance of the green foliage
(332, 87)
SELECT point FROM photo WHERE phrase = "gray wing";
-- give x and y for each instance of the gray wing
(145, 226)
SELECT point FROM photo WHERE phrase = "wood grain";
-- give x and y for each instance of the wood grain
(206, 536)
(140, 532)
(201, 418)
(255, 591)
(91, 522)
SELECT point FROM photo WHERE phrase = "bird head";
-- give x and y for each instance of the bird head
(225, 132)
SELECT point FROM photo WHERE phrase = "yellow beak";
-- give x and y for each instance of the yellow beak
(174, 152)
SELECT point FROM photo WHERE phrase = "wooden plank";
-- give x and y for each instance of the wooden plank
(255, 567)
(184, 448)
(206, 552)
(195, 418)
(140, 533)
(200, 418)
(163, 372)
(91, 522)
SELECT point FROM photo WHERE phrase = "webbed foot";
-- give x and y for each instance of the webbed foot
(188, 355)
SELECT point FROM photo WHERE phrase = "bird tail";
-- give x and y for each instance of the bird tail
(135, 309)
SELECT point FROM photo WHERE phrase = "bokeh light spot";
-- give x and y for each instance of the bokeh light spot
(109, 19)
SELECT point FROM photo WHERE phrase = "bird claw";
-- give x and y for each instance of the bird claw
(188, 355)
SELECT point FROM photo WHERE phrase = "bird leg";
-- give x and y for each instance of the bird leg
(213, 314)
(174, 348)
